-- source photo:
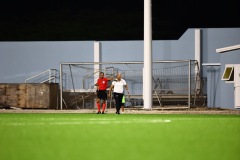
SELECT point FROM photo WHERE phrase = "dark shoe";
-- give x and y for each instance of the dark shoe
(103, 112)
(98, 112)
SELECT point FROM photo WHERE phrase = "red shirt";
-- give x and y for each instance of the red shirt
(102, 83)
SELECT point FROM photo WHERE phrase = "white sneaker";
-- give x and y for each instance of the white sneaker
(122, 112)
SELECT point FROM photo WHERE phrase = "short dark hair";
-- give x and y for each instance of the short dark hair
(102, 73)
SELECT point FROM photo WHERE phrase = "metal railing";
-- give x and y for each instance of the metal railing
(48, 76)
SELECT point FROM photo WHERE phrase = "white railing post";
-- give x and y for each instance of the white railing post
(61, 87)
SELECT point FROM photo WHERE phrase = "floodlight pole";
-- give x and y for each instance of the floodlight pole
(147, 75)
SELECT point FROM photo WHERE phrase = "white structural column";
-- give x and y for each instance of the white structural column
(198, 56)
(97, 59)
(198, 47)
(147, 74)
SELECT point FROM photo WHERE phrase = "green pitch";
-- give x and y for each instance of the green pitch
(119, 137)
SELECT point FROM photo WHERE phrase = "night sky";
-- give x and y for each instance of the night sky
(77, 20)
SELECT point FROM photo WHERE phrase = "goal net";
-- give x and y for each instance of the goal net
(174, 83)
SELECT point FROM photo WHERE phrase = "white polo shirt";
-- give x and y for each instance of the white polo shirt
(119, 85)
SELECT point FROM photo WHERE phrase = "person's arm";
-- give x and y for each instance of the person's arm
(110, 90)
(96, 84)
(110, 78)
(97, 89)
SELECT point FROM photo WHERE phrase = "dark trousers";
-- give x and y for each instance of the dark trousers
(118, 100)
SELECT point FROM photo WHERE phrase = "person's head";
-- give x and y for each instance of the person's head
(101, 75)
(119, 76)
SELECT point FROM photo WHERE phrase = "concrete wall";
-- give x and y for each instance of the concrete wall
(20, 60)
(220, 94)
(29, 95)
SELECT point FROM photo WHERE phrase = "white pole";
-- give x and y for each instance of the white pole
(198, 47)
(97, 58)
(198, 57)
(61, 87)
(147, 75)
(144, 86)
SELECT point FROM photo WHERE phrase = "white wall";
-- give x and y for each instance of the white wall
(218, 38)
(20, 60)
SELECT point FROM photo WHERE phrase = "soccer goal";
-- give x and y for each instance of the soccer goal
(174, 83)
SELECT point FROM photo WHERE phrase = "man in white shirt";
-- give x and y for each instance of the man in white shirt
(118, 86)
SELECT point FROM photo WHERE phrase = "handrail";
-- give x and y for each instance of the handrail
(50, 77)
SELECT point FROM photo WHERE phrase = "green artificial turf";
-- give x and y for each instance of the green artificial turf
(55, 136)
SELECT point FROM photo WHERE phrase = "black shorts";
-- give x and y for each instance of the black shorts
(102, 94)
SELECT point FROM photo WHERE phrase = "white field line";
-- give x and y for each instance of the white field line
(92, 121)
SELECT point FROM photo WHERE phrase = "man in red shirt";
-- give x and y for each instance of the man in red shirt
(101, 84)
